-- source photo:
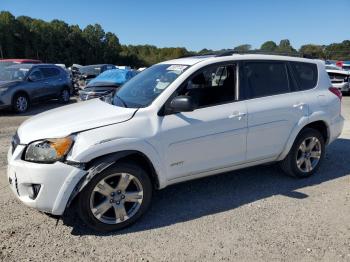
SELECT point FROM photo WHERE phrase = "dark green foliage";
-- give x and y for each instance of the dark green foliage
(58, 42)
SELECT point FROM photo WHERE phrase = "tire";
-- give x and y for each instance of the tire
(64, 97)
(96, 197)
(20, 103)
(297, 163)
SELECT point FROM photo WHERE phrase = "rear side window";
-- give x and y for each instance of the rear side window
(50, 71)
(266, 78)
(305, 74)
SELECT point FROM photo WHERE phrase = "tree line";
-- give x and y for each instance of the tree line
(59, 42)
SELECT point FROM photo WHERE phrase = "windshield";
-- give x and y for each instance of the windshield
(13, 74)
(141, 90)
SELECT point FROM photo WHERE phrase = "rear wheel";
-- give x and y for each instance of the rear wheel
(115, 198)
(64, 96)
(306, 154)
(20, 103)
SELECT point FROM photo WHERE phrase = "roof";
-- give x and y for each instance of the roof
(26, 65)
(196, 59)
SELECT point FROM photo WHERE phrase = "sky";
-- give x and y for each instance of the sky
(196, 24)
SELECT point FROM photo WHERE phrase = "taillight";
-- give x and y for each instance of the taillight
(336, 91)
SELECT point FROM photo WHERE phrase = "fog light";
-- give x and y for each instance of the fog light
(33, 191)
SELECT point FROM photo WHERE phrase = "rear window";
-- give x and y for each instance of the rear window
(266, 78)
(306, 74)
(50, 71)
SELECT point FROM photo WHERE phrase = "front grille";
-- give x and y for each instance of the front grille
(15, 142)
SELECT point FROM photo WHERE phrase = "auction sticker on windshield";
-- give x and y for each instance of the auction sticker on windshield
(179, 68)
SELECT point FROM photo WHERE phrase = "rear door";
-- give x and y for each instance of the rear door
(36, 86)
(274, 107)
(53, 81)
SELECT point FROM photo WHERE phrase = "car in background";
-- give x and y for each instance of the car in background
(7, 62)
(23, 84)
(106, 83)
(339, 78)
(345, 65)
(89, 72)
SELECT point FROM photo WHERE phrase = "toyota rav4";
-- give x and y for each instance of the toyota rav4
(176, 121)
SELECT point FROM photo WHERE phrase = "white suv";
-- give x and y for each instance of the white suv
(176, 121)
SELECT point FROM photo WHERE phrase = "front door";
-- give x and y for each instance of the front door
(214, 135)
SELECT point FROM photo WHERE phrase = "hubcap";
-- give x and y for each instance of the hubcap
(116, 198)
(65, 95)
(309, 154)
(21, 104)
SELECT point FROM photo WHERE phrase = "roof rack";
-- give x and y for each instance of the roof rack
(295, 54)
(198, 55)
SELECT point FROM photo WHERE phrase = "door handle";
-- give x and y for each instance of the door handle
(299, 105)
(237, 114)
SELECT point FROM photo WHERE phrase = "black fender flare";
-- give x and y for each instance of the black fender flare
(95, 167)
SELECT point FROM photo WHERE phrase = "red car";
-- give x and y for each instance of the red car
(8, 62)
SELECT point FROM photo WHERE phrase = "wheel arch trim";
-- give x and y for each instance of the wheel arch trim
(297, 129)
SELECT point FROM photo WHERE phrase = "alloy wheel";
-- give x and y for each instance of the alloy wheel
(309, 154)
(65, 95)
(116, 198)
(21, 104)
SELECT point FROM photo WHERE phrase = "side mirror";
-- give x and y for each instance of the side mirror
(182, 104)
(32, 78)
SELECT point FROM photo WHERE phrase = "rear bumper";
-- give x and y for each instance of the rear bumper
(336, 128)
(57, 182)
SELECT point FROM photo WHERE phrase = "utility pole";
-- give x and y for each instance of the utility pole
(2, 56)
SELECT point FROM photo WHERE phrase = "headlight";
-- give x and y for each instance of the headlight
(3, 89)
(49, 150)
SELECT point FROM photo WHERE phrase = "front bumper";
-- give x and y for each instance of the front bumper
(57, 182)
(5, 101)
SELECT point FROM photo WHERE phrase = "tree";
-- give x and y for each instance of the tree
(312, 50)
(243, 48)
(285, 47)
(58, 42)
(338, 51)
(269, 46)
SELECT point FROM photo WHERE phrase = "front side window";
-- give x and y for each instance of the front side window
(266, 78)
(212, 86)
(36, 75)
(144, 88)
(306, 74)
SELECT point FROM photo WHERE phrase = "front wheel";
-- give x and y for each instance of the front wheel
(64, 96)
(115, 198)
(306, 154)
(20, 103)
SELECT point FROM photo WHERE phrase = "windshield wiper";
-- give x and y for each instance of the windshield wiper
(121, 100)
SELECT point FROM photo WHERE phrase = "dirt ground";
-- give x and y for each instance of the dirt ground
(256, 214)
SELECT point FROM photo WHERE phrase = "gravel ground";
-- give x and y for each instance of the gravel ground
(256, 214)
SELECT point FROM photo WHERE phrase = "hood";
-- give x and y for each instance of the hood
(99, 89)
(4, 84)
(66, 120)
